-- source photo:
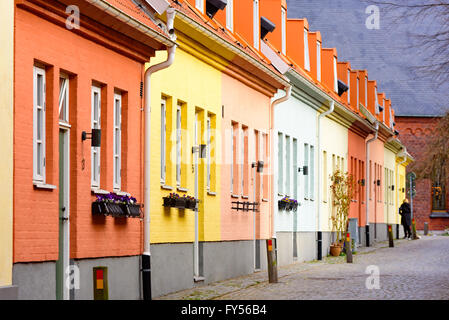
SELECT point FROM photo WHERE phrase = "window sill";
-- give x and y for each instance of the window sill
(166, 187)
(44, 186)
(245, 197)
(99, 191)
(265, 200)
(210, 193)
(435, 214)
(122, 193)
(280, 194)
(235, 196)
(182, 189)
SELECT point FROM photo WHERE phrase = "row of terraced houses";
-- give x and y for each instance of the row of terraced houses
(229, 102)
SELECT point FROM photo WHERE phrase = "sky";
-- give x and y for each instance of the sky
(389, 53)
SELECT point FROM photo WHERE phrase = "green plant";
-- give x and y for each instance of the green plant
(343, 188)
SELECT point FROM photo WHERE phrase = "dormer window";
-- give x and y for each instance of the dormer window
(230, 15)
(366, 91)
(349, 87)
(284, 30)
(256, 24)
(318, 61)
(376, 102)
(335, 75)
(306, 51)
(358, 93)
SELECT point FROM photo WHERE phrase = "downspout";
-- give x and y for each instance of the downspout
(318, 135)
(368, 181)
(404, 152)
(146, 255)
(388, 211)
(288, 92)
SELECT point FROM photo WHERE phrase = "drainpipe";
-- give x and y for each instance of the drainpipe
(146, 255)
(404, 152)
(288, 92)
(368, 181)
(318, 135)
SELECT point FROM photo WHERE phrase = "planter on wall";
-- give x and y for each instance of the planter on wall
(169, 202)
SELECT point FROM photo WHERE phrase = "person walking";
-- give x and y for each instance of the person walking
(406, 218)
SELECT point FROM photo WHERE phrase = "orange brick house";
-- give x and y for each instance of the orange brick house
(70, 79)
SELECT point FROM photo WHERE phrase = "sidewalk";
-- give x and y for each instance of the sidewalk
(221, 288)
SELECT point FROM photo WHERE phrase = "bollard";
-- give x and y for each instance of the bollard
(348, 248)
(390, 236)
(426, 228)
(414, 229)
(272, 263)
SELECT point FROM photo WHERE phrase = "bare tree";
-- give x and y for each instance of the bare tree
(433, 41)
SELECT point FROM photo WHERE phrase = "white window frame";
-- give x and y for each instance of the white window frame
(287, 166)
(318, 61)
(242, 159)
(232, 158)
(208, 150)
(39, 160)
(280, 163)
(64, 99)
(256, 24)
(349, 86)
(261, 156)
(366, 92)
(230, 15)
(178, 144)
(335, 75)
(95, 124)
(306, 50)
(284, 30)
(312, 173)
(117, 138)
(306, 178)
(376, 101)
(199, 4)
(163, 166)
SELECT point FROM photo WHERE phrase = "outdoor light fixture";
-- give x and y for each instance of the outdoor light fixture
(378, 182)
(265, 27)
(305, 170)
(212, 6)
(396, 132)
(362, 182)
(342, 87)
(392, 188)
(258, 165)
(95, 135)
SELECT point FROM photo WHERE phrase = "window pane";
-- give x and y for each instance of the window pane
(40, 90)
(39, 124)
(95, 107)
(39, 158)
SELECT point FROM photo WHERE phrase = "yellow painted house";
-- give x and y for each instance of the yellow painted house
(6, 147)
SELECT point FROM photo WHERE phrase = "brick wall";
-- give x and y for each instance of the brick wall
(414, 134)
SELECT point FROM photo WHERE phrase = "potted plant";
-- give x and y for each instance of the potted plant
(108, 204)
(170, 201)
(191, 203)
(342, 188)
(129, 206)
(287, 204)
(180, 202)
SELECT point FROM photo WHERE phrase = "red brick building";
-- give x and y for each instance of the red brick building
(428, 206)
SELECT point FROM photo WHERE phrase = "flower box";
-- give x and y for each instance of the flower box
(131, 210)
(191, 204)
(180, 203)
(169, 202)
(116, 206)
(115, 210)
(99, 208)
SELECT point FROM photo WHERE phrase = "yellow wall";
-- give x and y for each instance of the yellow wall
(198, 85)
(6, 139)
(389, 197)
(334, 140)
(400, 182)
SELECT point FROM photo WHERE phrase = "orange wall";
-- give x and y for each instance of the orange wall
(342, 71)
(295, 40)
(271, 9)
(327, 68)
(314, 37)
(238, 225)
(243, 19)
(36, 211)
(376, 209)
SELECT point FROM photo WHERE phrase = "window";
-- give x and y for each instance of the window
(366, 92)
(232, 157)
(306, 51)
(256, 24)
(39, 124)
(318, 60)
(163, 140)
(208, 148)
(295, 168)
(64, 98)
(280, 163)
(312, 172)
(284, 29)
(96, 124)
(335, 75)
(376, 102)
(306, 178)
(325, 176)
(349, 87)
(117, 140)
(288, 172)
(230, 15)
(358, 92)
(178, 147)
(244, 159)
(199, 4)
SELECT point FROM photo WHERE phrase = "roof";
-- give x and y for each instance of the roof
(387, 52)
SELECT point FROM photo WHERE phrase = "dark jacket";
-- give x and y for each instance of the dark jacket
(405, 213)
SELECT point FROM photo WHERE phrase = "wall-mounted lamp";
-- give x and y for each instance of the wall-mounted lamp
(378, 182)
(265, 27)
(362, 182)
(403, 190)
(305, 170)
(95, 136)
(342, 87)
(392, 188)
(258, 165)
(212, 6)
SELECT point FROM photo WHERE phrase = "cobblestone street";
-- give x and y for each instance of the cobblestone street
(411, 270)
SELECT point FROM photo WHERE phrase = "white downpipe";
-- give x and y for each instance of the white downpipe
(318, 135)
(404, 152)
(288, 92)
(367, 183)
(170, 58)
